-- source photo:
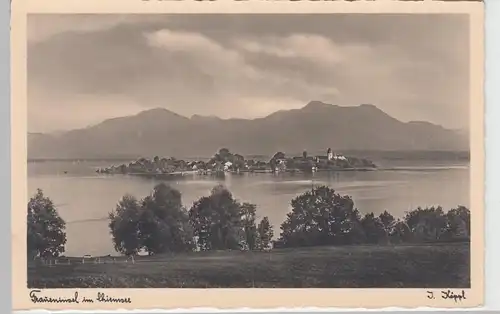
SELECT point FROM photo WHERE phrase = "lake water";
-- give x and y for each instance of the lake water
(84, 198)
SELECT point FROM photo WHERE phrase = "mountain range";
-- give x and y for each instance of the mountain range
(314, 127)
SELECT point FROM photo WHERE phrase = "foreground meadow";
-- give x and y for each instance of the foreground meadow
(444, 265)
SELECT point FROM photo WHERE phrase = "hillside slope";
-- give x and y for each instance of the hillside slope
(314, 127)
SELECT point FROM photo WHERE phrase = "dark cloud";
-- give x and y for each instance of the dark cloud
(84, 68)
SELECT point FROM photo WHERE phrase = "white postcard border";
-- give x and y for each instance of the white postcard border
(240, 298)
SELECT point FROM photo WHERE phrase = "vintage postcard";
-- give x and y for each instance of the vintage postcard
(247, 154)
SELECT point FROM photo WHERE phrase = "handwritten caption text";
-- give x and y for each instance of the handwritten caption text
(36, 296)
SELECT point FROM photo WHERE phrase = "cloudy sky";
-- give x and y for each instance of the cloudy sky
(83, 69)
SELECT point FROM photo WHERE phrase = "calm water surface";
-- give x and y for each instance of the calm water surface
(85, 198)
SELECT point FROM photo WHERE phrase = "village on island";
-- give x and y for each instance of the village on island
(224, 161)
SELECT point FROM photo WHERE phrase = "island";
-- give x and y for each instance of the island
(224, 161)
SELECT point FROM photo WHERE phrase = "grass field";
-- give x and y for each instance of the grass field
(408, 266)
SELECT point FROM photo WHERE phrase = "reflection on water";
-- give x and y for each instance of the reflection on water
(84, 198)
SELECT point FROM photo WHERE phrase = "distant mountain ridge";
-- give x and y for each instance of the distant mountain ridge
(313, 127)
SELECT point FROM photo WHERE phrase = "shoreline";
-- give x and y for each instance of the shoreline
(92, 172)
(291, 172)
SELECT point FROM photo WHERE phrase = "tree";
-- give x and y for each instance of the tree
(225, 155)
(356, 234)
(164, 222)
(224, 152)
(123, 169)
(248, 222)
(426, 224)
(320, 217)
(272, 164)
(238, 161)
(46, 234)
(387, 220)
(279, 155)
(400, 232)
(374, 229)
(304, 154)
(124, 226)
(273, 161)
(265, 234)
(216, 220)
(458, 222)
(158, 223)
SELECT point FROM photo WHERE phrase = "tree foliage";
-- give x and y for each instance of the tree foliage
(400, 233)
(387, 220)
(426, 224)
(216, 220)
(320, 217)
(164, 225)
(124, 225)
(158, 223)
(248, 216)
(279, 155)
(224, 155)
(265, 234)
(46, 234)
(458, 223)
(374, 229)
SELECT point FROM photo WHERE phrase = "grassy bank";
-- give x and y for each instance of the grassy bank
(410, 266)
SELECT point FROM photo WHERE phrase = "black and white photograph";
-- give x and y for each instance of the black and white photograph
(304, 150)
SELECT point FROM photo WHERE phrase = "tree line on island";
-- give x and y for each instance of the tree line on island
(224, 160)
(160, 223)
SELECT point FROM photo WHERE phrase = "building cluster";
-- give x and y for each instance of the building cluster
(332, 156)
(330, 161)
(225, 161)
